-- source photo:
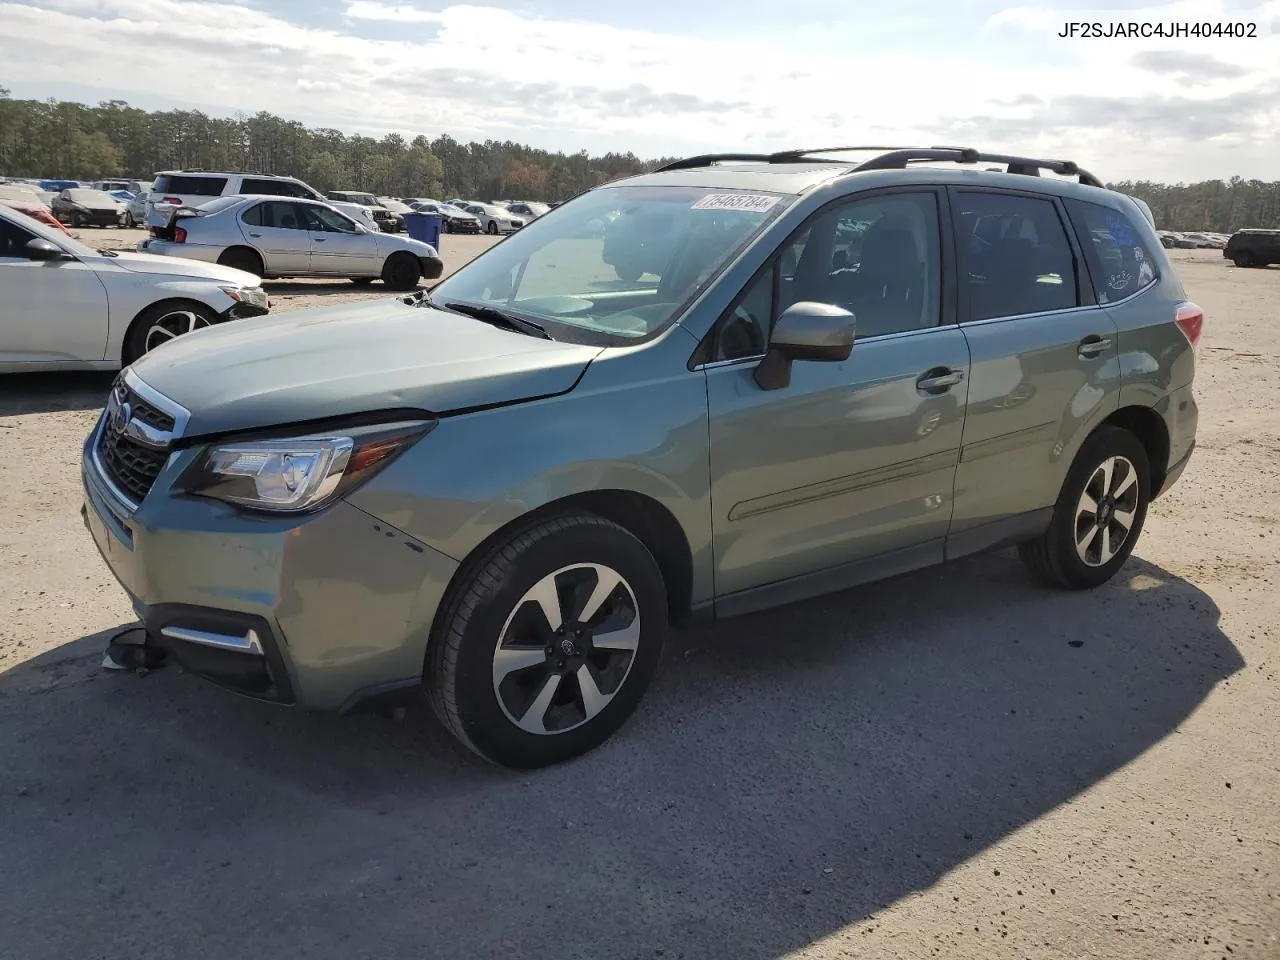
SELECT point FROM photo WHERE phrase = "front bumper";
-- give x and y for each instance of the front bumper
(326, 610)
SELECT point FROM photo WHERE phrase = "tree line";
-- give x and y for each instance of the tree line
(64, 140)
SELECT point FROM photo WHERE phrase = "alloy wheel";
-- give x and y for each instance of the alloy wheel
(1106, 511)
(172, 325)
(566, 649)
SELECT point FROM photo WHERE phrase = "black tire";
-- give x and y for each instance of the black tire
(362, 281)
(242, 258)
(129, 222)
(1053, 558)
(459, 672)
(140, 339)
(628, 273)
(401, 271)
(77, 220)
(492, 228)
(1243, 259)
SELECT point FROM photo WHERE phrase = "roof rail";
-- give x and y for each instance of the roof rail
(897, 158)
(1027, 166)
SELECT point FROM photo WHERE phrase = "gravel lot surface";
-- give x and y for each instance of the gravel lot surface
(954, 763)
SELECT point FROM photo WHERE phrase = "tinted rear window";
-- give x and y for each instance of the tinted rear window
(190, 185)
(1116, 248)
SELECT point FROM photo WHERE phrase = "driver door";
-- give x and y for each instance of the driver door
(337, 246)
(846, 474)
(51, 311)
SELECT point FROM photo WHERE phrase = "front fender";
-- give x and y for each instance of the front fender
(621, 428)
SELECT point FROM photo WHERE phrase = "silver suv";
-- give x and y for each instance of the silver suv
(792, 374)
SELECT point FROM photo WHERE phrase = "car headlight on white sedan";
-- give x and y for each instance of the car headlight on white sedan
(298, 474)
(254, 296)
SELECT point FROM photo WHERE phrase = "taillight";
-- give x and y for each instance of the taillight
(176, 201)
(179, 235)
(1191, 322)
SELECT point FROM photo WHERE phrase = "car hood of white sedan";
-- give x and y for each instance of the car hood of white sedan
(178, 267)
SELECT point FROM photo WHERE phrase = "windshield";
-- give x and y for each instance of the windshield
(616, 264)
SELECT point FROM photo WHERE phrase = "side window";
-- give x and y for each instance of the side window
(744, 330)
(281, 215)
(1119, 258)
(879, 258)
(13, 240)
(253, 216)
(1015, 256)
(324, 220)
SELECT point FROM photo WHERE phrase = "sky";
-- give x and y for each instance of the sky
(673, 77)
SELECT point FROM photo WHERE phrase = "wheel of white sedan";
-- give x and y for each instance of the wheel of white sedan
(548, 643)
(159, 324)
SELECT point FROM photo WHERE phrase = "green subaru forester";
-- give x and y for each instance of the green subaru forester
(736, 382)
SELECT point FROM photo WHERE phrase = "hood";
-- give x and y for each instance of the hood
(180, 267)
(355, 358)
(96, 204)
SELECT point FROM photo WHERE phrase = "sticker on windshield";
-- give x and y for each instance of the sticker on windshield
(751, 203)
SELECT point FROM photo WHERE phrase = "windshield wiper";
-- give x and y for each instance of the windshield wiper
(496, 317)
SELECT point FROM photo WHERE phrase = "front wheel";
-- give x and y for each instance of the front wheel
(493, 228)
(159, 324)
(1099, 514)
(548, 642)
(401, 271)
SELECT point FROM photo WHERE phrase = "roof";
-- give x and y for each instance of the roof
(797, 171)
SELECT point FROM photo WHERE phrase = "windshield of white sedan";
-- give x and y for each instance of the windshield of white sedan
(619, 262)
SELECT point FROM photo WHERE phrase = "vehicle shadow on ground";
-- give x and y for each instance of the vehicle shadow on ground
(789, 775)
(53, 392)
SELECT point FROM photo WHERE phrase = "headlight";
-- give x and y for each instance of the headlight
(295, 475)
(255, 296)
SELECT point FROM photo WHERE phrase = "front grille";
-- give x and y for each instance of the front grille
(150, 415)
(132, 467)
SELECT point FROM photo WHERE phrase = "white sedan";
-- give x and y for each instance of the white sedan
(66, 306)
(288, 237)
(495, 219)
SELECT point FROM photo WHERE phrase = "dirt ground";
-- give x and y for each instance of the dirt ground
(955, 763)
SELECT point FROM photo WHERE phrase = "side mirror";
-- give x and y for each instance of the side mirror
(805, 331)
(39, 249)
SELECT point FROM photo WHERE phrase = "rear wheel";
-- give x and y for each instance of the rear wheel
(549, 642)
(159, 324)
(401, 272)
(1243, 259)
(242, 258)
(1099, 514)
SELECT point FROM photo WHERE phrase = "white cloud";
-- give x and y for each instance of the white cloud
(477, 71)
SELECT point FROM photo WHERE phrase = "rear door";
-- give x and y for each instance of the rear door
(847, 473)
(1046, 368)
(278, 229)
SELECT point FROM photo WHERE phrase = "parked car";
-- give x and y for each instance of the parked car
(528, 211)
(135, 210)
(397, 207)
(24, 199)
(66, 306)
(494, 219)
(86, 207)
(819, 388)
(111, 186)
(194, 187)
(1253, 247)
(57, 186)
(452, 220)
(280, 237)
(386, 221)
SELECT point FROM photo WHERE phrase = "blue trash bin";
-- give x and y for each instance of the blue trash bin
(424, 227)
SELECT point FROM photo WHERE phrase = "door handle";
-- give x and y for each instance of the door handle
(939, 380)
(1093, 345)
(317, 239)
(255, 235)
